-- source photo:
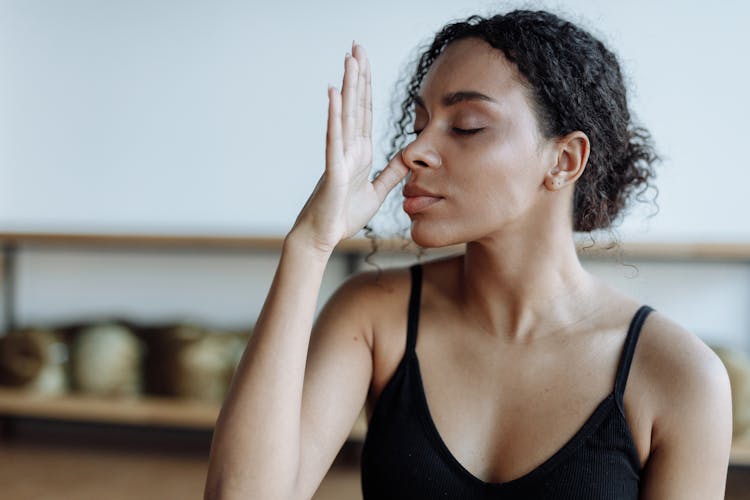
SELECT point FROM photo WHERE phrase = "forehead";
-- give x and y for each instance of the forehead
(472, 64)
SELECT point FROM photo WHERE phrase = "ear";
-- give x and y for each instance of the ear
(572, 154)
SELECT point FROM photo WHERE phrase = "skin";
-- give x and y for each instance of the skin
(515, 332)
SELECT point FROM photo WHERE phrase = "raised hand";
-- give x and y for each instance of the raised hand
(344, 199)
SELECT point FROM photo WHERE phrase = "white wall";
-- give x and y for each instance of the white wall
(223, 289)
(198, 116)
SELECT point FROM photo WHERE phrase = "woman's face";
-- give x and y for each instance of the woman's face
(478, 151)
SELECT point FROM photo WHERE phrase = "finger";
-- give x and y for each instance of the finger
(349, 103)
(334, 140)
(389, 178)
(359, 54)
(367, 129)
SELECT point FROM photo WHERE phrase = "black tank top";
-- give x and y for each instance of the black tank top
(405, 457)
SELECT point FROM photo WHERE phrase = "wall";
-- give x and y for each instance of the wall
(188, 116)
(185, 117)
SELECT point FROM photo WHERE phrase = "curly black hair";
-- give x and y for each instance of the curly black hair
(574, 83)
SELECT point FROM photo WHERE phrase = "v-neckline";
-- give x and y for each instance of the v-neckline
(589, 426)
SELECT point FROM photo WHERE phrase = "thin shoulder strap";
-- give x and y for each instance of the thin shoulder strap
(626, 358)
(414, 301)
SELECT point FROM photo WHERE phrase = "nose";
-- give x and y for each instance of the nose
(420, 153)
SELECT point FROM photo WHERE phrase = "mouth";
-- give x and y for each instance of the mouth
(415, 204)
(416, 198)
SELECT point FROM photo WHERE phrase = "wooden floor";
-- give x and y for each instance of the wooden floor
(76, 462)
(44, 473)
(43, 461)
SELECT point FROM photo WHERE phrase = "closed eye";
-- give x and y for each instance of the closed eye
(462, 131)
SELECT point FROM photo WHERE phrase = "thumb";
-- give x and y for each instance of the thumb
(390, 176)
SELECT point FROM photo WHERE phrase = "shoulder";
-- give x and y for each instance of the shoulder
(376, 291)
(692, 411)
(377, 300)
(368, 298)
(373, 286)
(680, 367)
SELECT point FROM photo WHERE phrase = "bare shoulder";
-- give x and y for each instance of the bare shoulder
(692, 412)
(369, 298)
(679, 365)
(372, 286)
(381, 295)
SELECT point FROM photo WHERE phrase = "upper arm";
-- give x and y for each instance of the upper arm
(337, 378)
(692, 432)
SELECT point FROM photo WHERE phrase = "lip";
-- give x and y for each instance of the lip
(412, 190)
(417, 199)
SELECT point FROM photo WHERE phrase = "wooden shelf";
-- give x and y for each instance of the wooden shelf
(724, 252)
(178, 241)
(148, 411)
(648, 251)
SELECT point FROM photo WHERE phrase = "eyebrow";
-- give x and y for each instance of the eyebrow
(456, 97)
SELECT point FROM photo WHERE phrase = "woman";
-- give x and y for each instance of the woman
(500, 373)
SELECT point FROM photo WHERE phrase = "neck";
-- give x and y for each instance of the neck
(526, 286)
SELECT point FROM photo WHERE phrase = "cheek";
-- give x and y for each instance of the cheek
(499, 183)
(487, 170)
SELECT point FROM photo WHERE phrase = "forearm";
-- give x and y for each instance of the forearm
(256, 445)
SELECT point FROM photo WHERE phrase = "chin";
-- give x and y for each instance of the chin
(430, 236)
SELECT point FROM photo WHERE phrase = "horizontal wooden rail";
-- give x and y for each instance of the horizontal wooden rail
(149, 411)
(146, 411)
(638, 250)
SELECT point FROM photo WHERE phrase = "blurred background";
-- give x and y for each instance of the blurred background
(153, 153)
